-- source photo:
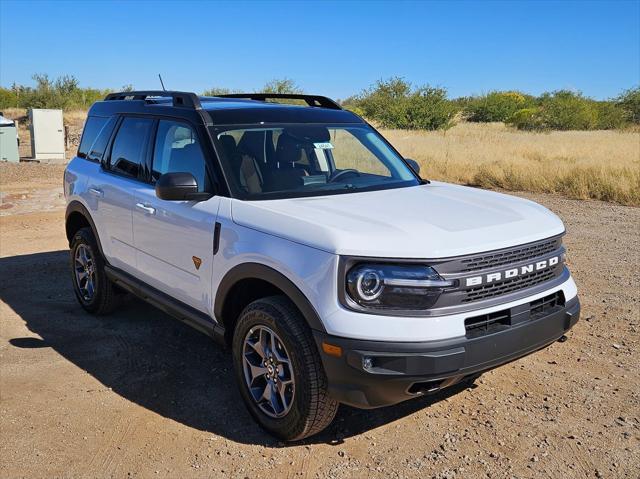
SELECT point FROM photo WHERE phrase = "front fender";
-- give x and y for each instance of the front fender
(277, 279)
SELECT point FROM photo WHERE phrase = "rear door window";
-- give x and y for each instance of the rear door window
(130, 147)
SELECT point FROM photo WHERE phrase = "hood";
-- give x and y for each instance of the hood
(431, 221)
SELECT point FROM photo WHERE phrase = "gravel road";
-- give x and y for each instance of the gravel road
(137, 394)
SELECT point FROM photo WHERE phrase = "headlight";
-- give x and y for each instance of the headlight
(395, 287)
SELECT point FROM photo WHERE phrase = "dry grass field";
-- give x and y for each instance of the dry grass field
(602, 165)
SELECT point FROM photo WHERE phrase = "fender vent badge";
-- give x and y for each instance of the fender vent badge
(196, 261)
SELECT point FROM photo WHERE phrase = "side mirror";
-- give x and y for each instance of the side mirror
(414, 165)
(180, 186)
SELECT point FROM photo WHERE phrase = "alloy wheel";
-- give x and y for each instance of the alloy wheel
(268, 371)
(85, 274)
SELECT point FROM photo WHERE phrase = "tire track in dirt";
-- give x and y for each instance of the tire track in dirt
(31, 201)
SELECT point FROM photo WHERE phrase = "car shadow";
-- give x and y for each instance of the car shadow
(153, 360)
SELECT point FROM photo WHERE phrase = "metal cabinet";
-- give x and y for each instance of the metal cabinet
(8, 142)
(47, 135)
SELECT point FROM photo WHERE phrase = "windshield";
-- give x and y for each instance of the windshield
(306, 160)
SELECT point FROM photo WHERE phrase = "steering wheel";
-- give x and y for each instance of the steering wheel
(349, 171)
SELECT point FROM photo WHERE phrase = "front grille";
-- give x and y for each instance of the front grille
(543, 306)
(507, 286)
(497, 321)
(487, 323)
(510, 256)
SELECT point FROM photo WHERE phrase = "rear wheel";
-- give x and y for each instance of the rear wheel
(93, 289)
(279, 371)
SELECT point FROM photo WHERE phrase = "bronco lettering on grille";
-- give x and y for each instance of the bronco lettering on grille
(512, 273)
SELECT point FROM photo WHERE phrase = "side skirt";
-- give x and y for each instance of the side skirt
(185, 313)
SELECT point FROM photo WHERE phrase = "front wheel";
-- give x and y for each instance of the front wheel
(279, 371)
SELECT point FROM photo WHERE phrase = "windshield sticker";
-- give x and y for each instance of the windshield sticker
(323, 146)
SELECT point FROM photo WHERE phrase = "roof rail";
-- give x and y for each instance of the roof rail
(311, 100)
(180, 99)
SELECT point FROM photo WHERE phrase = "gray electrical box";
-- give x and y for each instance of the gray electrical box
(47, 135)
(8, 140)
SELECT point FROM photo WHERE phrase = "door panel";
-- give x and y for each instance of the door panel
(111, 191)
(168, 236)
(174, 239)
(112, 198)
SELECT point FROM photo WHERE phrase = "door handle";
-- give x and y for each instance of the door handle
(96, 192)
(150, 210)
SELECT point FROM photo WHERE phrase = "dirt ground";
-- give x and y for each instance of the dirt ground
(138, 394)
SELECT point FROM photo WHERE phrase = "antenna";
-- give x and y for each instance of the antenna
(161, 82)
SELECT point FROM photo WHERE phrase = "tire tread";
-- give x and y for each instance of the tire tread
(108, 297)
(321, 407)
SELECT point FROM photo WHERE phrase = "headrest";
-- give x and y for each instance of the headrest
(295, 139)
(289, 149)
(228, 143)
(252, 143)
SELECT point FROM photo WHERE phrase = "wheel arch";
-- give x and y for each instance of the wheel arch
(263, 281)
(77, 216)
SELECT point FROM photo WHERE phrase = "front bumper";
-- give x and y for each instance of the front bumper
(370, 374)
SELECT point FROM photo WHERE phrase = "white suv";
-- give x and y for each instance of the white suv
(297, 235)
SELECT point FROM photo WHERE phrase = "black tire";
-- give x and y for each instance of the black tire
(312, 409)
(106, 296)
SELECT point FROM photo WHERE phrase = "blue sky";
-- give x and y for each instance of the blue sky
(331, 48)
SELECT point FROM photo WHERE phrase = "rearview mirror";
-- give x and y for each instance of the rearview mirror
(180, 186)
(414, 165)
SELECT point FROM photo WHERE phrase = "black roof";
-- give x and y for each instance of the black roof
(236, 109)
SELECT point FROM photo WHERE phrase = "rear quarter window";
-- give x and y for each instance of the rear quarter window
(92, 128)
(97, 149)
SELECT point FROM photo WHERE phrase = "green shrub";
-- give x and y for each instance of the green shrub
(385, 102)
(354, 108)
(527, 119)
(497, 106)
(394, 103)
(8, 98)
(215, 91)
(463, 102)
(629, 101)
(609, 115)
(283, 85)
(429, 109)
(566, 110)
(64, 92)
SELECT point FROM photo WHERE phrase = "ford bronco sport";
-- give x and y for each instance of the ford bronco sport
(298, 236)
